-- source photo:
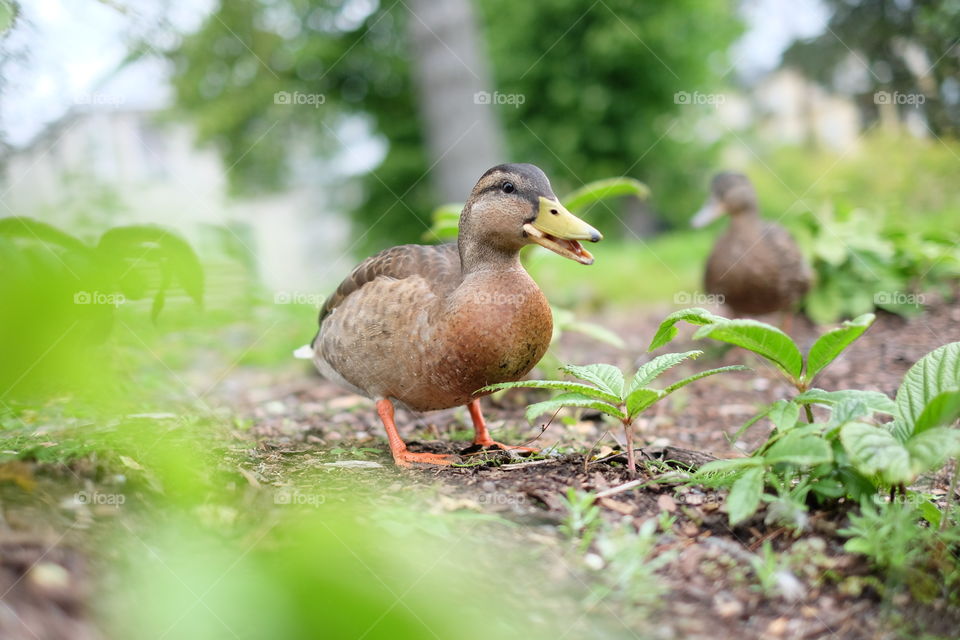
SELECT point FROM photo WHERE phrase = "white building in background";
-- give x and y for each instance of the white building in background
(111, 160)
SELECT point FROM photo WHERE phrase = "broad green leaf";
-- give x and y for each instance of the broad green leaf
(848, 410)
(703, 374)
(728, 465)
(933, 374)
(942, 411)
(761, 338)
(640, 399)
(874, 451)
(571, 400)
(607, 377)
(932, 448)
(562, 385)
(874, 400)
(559, 385)
(744, 497)
(602, 189)
(784, 414)
(799, 449)
(831, 344)
(648, 372)
(668, 330)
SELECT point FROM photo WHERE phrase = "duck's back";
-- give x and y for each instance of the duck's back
(757, 268)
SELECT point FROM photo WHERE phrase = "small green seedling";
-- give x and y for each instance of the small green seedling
(602, 387)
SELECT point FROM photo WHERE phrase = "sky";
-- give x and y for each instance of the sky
(69, 47)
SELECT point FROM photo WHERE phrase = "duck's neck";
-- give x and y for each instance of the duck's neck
(476, 257)
(745, 220)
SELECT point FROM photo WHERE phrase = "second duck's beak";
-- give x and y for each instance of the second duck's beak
(710, 211)
(560, 231)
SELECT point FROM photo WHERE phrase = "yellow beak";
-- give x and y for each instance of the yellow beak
(560, 231)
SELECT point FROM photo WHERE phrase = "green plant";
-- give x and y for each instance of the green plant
(846, 456)
(861, 266)
(60, 291)
(602, 387)
(583, 516)
(446, 218)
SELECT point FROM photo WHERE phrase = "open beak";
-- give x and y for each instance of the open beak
(560, 231)
(710, 211)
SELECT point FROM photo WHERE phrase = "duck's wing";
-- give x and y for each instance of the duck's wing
(794, 270)
(437, 265)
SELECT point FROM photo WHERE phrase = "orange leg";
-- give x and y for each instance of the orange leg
(481, 435)
(402, 457)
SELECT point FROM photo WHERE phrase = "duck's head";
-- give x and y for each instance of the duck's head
(513, 205)
(730, 193)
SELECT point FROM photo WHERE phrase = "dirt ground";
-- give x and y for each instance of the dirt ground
(297, 423)
(827, 593)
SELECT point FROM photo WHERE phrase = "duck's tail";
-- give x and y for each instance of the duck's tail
(304, 353)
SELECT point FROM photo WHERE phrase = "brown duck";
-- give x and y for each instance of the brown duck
(427, 326)
(755, 265)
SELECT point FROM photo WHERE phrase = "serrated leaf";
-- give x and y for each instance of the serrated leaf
(942, 410)
(560, 385)
(832, 343)
(607, 377)
(703, 374)
(603, 189)
(744, 497)
(763, 339)
(796, 447)
(875, 451)
(571, 400)
(935, 373)
(668, 330)
(649, 371)
(932, 448)
(784, 414)
(874, 400)
(728, 465)
(640, 399)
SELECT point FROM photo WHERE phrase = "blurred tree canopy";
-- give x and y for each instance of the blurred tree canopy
(908, 46)
(599, 81)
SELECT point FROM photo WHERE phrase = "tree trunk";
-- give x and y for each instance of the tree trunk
(450, 68)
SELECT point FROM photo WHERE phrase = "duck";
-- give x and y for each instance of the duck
(755, 267)
(426, 326)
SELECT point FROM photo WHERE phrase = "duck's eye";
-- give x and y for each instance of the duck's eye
(507, 187)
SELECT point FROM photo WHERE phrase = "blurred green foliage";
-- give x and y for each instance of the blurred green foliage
(906, 47)
(878, 223)
(61, 296)
(600, 81)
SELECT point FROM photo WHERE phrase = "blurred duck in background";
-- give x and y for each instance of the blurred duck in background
(755, 267)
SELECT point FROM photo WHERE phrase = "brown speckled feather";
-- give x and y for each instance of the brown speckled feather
(408, 325)
(757, 267)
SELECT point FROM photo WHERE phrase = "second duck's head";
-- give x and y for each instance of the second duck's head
(730, 193)
(513, 205)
